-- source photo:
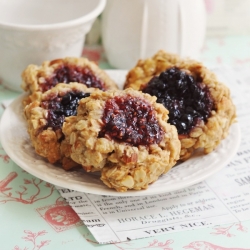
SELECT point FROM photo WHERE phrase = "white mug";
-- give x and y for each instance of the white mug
(137, 29)
(33, 31)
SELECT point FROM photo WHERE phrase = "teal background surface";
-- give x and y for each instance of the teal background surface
(25, 200)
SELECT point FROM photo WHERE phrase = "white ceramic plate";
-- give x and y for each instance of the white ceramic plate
(17, 145)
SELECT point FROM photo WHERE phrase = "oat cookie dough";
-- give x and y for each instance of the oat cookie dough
(46, 115)
(38, 79)
(199, 105)
(125, 136)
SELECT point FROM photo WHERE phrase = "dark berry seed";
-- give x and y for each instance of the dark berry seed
(131, 120)
(59, 108)
(187, 99)
(67, 74)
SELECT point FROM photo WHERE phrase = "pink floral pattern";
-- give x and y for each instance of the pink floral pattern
(204, 245)
(4, 156)
(23, 195)
(60, 216)
(93, 54)
(209, 5)
(32, 238)
(226, 231)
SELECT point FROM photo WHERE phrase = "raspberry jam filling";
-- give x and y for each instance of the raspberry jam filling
(61, 107)
(67, 74)
(188, 100)
(131, 120)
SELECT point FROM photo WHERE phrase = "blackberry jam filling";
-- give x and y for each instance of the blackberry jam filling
(187, 99)
(61, 107)
(67, 74)
(132, 120)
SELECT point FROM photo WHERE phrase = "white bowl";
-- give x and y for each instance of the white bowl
(32, 31)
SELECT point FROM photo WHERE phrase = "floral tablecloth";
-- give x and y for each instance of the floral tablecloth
(34, 216)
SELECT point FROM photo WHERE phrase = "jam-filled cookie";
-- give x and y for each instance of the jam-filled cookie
(38, 79)
(45, 118)
(199, 105)
(125, 135)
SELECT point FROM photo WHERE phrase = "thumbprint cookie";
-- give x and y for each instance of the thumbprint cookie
(125, 136)
(38, 79)
(46, 115)
(199, 105)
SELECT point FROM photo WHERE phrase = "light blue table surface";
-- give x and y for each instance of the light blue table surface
(24, 199)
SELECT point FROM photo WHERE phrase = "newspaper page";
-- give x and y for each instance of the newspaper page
(222, 198)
